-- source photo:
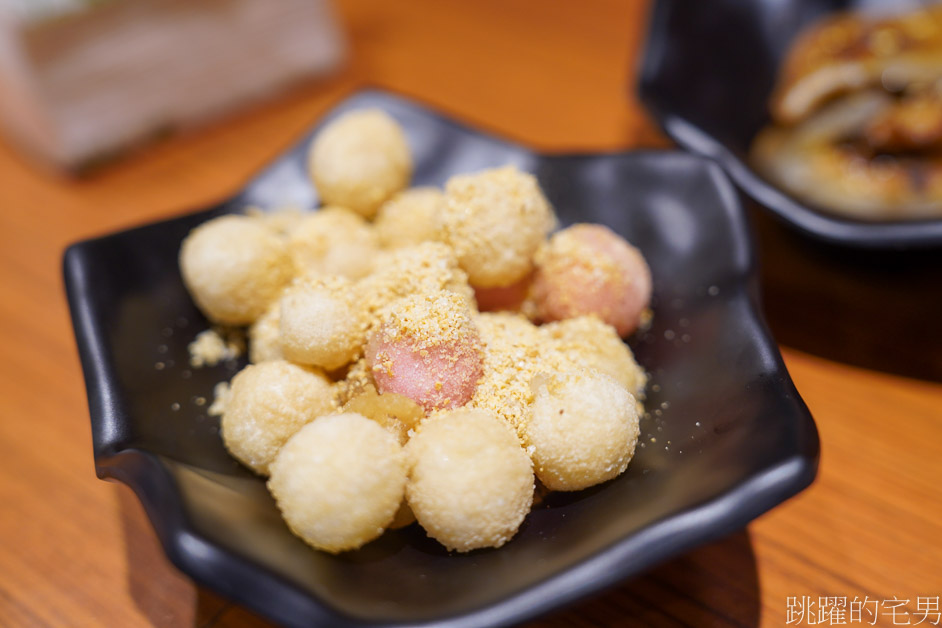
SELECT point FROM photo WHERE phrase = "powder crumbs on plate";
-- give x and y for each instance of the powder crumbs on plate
(220, 397)
(212, 346)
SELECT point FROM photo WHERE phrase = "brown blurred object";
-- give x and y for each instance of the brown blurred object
(857, 122)
(852, 51)
(82, 79)
(910, 124)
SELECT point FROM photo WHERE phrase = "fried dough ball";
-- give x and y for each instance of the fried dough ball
(497, 327)
(266, 404)
(495, 220)
(322, 323)
(360, 160)
(583, 429)
(424, 269)
(396, 413)
(588, 342)
(409, 217)
(334, 241)
(427, 349)
(265, 335)
(513, 354)
(470, 483)
(516, 351)
(588, 269)
(281, 221)
(339, 481)
(234, 267)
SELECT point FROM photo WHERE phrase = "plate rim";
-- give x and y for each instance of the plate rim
(287, 604)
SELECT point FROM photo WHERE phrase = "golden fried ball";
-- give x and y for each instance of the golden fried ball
(583, 429)
(470, 483)
(495, 220)
(334, 241)
(267, 403)
(588, 342)
(234, 267)
(339, 481)
(424, 269)
(360, 160)
(282, 221)
(514, 351)
(265, 335)
(589, 269)
(322, 323)
(408, 218)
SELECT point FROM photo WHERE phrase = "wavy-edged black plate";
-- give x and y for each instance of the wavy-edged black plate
(727, 439)
(707, 73)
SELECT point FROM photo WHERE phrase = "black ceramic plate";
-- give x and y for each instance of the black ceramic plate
(728, 437)
(707, 73)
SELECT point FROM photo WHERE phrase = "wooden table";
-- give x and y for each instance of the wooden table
(75, 551)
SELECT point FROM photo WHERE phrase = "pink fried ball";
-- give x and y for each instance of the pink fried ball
(427, 349)
(588, 269)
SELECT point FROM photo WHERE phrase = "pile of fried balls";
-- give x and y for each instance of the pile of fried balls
(420, 354)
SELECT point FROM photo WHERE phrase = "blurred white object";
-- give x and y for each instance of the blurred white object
(80, 79)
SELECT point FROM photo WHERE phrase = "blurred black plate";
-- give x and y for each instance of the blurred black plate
(728, 438)
(707, 73)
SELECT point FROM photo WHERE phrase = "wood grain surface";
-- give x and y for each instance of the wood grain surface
(75, 551)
